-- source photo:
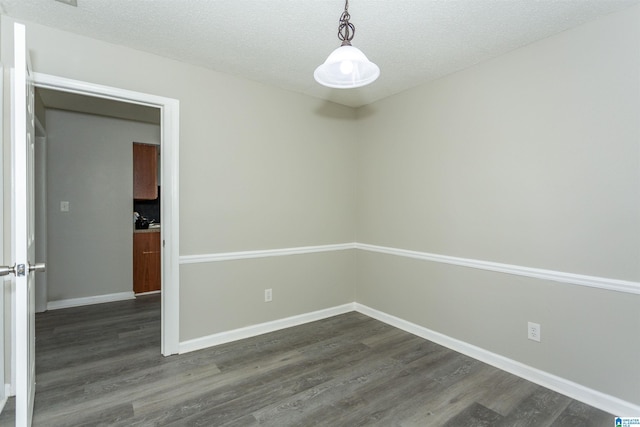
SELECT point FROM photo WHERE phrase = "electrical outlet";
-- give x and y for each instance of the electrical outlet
(268, 295)
(533, 331)
(64, 206)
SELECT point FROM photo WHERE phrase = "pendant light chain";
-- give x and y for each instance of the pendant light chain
(346, 30)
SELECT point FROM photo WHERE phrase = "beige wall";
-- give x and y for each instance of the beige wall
(531, 159)
(260, 168)
(232, 292)
(250, 154)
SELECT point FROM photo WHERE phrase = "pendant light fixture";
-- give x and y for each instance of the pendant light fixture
(347, 67)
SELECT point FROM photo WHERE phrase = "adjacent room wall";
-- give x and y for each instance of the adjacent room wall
(531, 159)
(90, 165)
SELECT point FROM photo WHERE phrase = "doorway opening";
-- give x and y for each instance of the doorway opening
(168, 110)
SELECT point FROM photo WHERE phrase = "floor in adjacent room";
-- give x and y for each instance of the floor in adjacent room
(101, 365)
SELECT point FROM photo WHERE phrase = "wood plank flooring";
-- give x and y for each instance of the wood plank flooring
(100, 365)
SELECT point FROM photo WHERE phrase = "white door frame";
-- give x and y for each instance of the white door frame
(5, 390)
(169, 143)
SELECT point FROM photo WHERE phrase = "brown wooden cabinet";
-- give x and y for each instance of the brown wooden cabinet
(145, 171)
(146, 261)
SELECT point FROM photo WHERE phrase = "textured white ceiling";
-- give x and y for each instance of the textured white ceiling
(281, 42)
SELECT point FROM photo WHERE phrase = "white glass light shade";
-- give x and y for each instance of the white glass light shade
(346, 67)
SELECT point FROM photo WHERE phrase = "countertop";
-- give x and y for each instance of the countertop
(147, 230)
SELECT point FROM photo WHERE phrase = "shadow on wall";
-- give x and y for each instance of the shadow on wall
(332, 110)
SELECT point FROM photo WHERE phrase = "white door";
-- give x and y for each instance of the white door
(23, 144)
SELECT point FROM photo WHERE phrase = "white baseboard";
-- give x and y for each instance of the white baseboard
(262, 328)
(569, 388)
(7, 394)
(576, 391)
(3, 401)
(148, 293)
(98, 299)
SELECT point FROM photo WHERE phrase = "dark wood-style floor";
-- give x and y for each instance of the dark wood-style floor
(101, 365)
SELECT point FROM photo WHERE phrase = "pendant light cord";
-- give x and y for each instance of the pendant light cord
(346, 30)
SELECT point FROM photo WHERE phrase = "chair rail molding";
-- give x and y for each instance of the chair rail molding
(538, 273)
(231, 256)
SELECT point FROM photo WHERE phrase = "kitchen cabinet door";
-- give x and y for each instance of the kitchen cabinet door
(146, 262)
(145, 171)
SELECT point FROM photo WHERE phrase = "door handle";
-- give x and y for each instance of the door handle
(38, 267)
(5, 270)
